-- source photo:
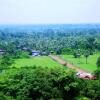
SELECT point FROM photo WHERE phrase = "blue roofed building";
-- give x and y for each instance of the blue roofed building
(35, 53)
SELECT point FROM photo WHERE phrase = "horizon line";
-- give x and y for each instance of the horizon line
(49, 23)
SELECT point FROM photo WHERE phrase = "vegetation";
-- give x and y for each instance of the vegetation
(77, 54)
(56, 38)
(97, 72)
(44, 61)
(46, 83)
(98, 62)
(86, 55)
(24, 77)
(81, 62)
(6, 61)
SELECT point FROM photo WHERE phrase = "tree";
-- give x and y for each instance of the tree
(58, 51)
(98, 62)
(40, 83)
(91, 89)
(37, 82)
(90, 43)
(97, 72)
(77, 54)
(86, 54)
(6, 62)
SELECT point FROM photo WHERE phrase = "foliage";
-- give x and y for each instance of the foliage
(97, 73)
(44, 61)
(6, 61)
(24, 54)
(77, 54)
(4, 97)
(48, 81)
(46, 40)
(86, 54)
(91, 89)
(81, 62)
(81, 98)
(39, 82)
(67, 51)
(98, 62)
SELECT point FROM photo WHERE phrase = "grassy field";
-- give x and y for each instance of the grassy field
(44, 61)
(81, 62)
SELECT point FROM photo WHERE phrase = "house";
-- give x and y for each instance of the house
(86, 75)
(35, 53)
(25, 49)
(2, 51)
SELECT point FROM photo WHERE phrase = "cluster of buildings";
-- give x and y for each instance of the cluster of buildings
(31, 52)
(34, 52)
(38, 53)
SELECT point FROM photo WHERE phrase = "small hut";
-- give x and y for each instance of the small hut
(35, 53)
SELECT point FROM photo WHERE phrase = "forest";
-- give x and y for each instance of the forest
(31, 59)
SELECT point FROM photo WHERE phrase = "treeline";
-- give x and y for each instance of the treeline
(52, 40)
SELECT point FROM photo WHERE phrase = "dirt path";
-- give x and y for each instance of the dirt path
(67, 64)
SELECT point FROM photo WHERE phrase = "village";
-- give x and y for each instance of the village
(80, 73)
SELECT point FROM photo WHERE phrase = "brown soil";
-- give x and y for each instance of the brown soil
(67, 64)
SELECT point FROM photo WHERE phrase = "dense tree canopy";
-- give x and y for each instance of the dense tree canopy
(50, 38)
(35, 83)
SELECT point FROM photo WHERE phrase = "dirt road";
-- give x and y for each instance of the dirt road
(67, 64)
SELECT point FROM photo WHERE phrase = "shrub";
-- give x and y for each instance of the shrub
(97, 73)
(98, 62)
(37, 82)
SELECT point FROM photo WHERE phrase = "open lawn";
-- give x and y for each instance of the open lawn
(44, 61)
(81, 62)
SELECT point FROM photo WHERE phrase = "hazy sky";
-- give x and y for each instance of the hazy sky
(49, 11)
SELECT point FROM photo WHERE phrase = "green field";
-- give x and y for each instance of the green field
(44, 61)
(81, 62)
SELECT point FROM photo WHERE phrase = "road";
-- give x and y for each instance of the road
(67, 64)
(81, 72)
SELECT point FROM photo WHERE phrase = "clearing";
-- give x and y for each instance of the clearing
(44, 61)
(66, 63)
(81, 62)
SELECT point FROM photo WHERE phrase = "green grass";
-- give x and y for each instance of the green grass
(81, 62)
(44, 61)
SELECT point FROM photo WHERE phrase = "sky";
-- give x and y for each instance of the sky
(49, 11)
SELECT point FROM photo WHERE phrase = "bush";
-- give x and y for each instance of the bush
(91, 89)
(67, 51)
(40, 83)
(37, 82)
(97, 73)
(5, 97)
(6, 61)
(76, 55)
(81, 98)
(98, 62)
